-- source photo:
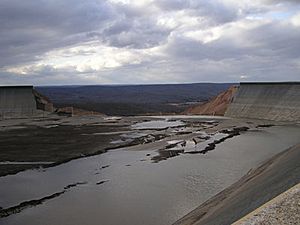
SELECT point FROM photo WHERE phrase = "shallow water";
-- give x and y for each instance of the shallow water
(23, 163)
(157, 124)
(136, 190)
(204, 117)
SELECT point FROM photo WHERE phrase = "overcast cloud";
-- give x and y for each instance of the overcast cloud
(47, 42)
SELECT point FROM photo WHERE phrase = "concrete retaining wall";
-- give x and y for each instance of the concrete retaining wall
(270, 101)
(17, 101)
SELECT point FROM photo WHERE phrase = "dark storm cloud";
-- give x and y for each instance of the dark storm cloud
(214, 11)
(282, 1)
(136, 32)
(140, 33)
(31, 29)
(173, 4)
(276, 40)
(61, 16)
(271, 39)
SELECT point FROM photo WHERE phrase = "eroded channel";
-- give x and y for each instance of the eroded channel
(125, 187)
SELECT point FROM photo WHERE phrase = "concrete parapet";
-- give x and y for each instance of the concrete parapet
(17, 101)
(270, 101)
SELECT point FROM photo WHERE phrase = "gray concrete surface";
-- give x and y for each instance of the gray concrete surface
(271, 101)
(17, 101)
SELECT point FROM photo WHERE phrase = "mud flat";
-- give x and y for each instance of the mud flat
(57, 140)
(151, 179)
(46, 142)
(260, 185)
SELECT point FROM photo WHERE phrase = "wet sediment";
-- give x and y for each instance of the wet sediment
(174, 145)
(177, 148)
(79, 139)
(5, 212)
(231, 133)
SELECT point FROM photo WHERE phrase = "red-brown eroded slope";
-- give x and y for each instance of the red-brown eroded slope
(215, 106)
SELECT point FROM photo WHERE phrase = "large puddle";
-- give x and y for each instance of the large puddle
(157, 124)
(126, 187)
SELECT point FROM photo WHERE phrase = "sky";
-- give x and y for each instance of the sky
(61, 42)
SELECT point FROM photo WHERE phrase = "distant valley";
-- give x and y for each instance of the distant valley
(133, 99)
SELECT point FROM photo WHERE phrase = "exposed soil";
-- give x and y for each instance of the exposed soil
(216, 106)
(58, 140)
(57, 144)
(264, 125)
(168, 151)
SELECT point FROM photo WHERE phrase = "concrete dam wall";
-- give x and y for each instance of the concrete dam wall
(270, 101)
(17, 101)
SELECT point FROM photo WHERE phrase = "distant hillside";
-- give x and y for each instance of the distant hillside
(133, 99)
(216, 106)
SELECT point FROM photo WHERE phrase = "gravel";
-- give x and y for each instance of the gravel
(283, 210)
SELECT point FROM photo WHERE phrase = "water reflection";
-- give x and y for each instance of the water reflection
(142, 193)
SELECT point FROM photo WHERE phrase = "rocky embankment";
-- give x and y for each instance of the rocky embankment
(283, 210)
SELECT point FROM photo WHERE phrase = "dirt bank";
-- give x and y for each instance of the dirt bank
(216, 106)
